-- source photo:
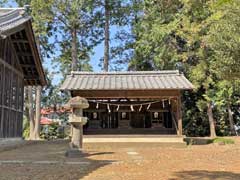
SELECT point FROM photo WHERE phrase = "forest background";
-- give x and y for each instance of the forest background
(200, 38)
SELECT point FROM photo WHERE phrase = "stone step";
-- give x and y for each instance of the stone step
(162, 140)
(155, 131)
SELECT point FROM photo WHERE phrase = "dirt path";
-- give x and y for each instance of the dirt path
(46, 161)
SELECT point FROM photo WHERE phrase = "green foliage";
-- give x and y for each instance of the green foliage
(51, 95)
(43, 19)
(195, 122)
(157, 43)
(64, 60)
(223, 37)
(222, 129)
(119, 17)
(3, 2)
(74, 15)
(22, 3)
(26, 128)
(52, 131)
(201, 38)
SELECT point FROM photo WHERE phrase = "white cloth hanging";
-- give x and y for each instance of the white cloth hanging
(132, 109)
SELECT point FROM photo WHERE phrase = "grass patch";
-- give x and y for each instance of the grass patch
(221, 141)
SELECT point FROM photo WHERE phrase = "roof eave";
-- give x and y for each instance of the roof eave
(10, 31)
(166, 89)
(36, 54)
(167, 72)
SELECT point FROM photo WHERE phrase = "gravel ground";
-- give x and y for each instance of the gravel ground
(46, 161)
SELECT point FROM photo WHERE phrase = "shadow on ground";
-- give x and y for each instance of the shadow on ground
(205, 175)
(47, 161)
(90, 166)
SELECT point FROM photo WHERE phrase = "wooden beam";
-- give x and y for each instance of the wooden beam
(20, 41)
(28, 65)
(31, 77)
(98, 94)
(24, 54)
(19, 73)
(179, 115)
(15, 55)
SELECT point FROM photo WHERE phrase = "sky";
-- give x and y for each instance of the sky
(98, 52)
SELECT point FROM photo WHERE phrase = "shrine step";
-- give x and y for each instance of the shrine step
(164, 140)
(129, 131)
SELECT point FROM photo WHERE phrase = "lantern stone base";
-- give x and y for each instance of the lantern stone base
(77, 121)
(74, 153)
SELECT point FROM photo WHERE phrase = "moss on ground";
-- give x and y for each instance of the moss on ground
(221, 140)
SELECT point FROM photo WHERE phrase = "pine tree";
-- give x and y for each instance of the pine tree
(74, 22)
(107, 14)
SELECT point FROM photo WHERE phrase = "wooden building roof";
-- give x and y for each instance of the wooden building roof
(138, 80)
(15, 24)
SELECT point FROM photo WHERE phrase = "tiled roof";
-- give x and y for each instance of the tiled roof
(11, 18)
(133, 80)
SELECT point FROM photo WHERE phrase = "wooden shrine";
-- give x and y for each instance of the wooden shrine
(126, 101)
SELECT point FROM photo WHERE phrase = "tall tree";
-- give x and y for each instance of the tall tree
(106, 35)
(171, 33)
(73, 22)
(223, 38)
(226, 98)
(157, 42)
(123, 51)
(38, 113)
(30, 113)
(198, 37)
(108, 14)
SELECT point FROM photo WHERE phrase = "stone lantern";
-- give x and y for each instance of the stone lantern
(76, 119)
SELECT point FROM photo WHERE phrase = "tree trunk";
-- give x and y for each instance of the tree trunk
(106, 36)
(30, 112)
(38, 113)
(38, 103)
(230, 118)
(211, 121)
(74, 49)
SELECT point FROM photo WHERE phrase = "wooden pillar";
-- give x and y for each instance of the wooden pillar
(2, 84)
(118, 113)
(179, 115)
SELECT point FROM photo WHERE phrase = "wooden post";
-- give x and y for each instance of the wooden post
(179, 115)
(2, 86)
(118, 113)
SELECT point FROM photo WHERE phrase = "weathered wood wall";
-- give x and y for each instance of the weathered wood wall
(11, 91)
